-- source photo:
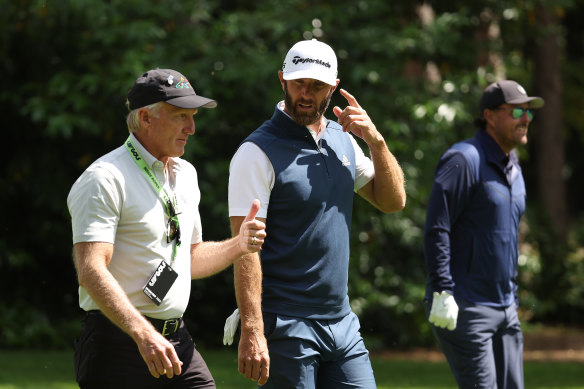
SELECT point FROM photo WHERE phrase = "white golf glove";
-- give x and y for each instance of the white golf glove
(230, 327)
(444, 312)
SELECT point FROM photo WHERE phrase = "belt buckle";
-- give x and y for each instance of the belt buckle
(170, 326)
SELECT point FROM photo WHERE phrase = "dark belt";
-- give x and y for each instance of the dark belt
(165, 327)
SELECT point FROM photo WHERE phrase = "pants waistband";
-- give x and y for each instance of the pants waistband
(165, 327)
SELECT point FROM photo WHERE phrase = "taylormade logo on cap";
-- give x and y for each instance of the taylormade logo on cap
(297, 60)
(311, 59)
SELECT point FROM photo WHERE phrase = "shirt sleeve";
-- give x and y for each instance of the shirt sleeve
(197, 236)
(453, 180)
(94, 205)
(364, 170)
(251, 176)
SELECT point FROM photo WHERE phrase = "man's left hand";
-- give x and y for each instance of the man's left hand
(355, 119)
(444, 311)
(252, 231)
(230, 327)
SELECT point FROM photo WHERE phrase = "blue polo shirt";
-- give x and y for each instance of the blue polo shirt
(472, 223)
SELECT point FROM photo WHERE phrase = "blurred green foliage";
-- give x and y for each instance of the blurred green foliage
(418, 69)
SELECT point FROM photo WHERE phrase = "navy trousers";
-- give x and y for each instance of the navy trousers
(322, 354)
(485, 351)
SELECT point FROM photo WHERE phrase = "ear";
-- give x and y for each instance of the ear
(281, 77)
(489, 116)
(144, 116)
(336, 85)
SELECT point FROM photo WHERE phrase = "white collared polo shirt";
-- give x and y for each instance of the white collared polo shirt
(113, 202)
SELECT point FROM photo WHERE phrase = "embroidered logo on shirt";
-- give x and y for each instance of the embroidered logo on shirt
(345, 161)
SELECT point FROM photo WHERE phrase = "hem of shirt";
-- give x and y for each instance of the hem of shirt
(244, 212)
(307, 312)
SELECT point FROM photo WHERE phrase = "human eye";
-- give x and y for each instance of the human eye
(319, 85)
(517, 112)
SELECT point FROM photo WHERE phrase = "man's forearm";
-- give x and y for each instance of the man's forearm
(248, 292)
(104, 289)
(208, 258)
(388, 185)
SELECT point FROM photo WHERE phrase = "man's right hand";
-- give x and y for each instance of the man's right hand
(253, 357)
(444, 312)
(159, 355)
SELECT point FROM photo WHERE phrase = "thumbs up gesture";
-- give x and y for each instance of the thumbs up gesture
(252, 232)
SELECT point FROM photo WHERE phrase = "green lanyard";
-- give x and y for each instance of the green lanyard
(160, 191)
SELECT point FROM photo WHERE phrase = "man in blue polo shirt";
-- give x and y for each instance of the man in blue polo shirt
(470, 243)
(305, 170)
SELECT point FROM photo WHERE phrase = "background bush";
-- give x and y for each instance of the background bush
(418, 69)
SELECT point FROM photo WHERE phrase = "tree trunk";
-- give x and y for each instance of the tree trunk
(549, 137)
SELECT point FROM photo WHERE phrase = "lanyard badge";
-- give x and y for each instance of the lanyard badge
(160, 282)
(164, 276)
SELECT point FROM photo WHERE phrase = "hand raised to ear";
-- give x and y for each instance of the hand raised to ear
(354, 119)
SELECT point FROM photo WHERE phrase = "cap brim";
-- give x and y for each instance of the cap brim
(532, 102)
(309, 74)
(192, 102)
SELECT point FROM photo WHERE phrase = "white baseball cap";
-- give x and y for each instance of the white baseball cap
(311, 59)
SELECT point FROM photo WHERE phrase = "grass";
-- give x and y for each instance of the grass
(54, 370)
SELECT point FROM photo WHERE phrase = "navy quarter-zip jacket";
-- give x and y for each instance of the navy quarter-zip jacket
(472, 223)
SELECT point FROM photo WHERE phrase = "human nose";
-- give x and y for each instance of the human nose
(190, 127)
(304, 90)
(307, 89)
(525, 118)
(521, 112)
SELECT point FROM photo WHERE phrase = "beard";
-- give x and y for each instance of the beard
(306, 118)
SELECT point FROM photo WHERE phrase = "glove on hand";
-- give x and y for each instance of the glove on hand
(230, 327)
(444, 312)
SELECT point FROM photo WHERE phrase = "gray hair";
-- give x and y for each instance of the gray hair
(133, 119)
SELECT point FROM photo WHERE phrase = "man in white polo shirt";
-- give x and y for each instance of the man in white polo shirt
(138, 243)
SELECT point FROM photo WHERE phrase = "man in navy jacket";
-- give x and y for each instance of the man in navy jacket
(471, 243)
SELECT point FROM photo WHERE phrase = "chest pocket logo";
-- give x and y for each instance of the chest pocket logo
(345, 161)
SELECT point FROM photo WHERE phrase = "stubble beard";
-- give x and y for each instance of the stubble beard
(305, 119)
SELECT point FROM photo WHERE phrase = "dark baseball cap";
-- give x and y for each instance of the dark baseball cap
(507, 92)
(166, 85)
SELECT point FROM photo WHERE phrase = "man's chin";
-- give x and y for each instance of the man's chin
(304, 119)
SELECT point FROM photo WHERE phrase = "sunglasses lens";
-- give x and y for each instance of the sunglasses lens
(518, 113)
(170, 231)
(172, 228)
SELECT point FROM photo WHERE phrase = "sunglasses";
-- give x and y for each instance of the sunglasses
(518, 112)
(172, 227)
